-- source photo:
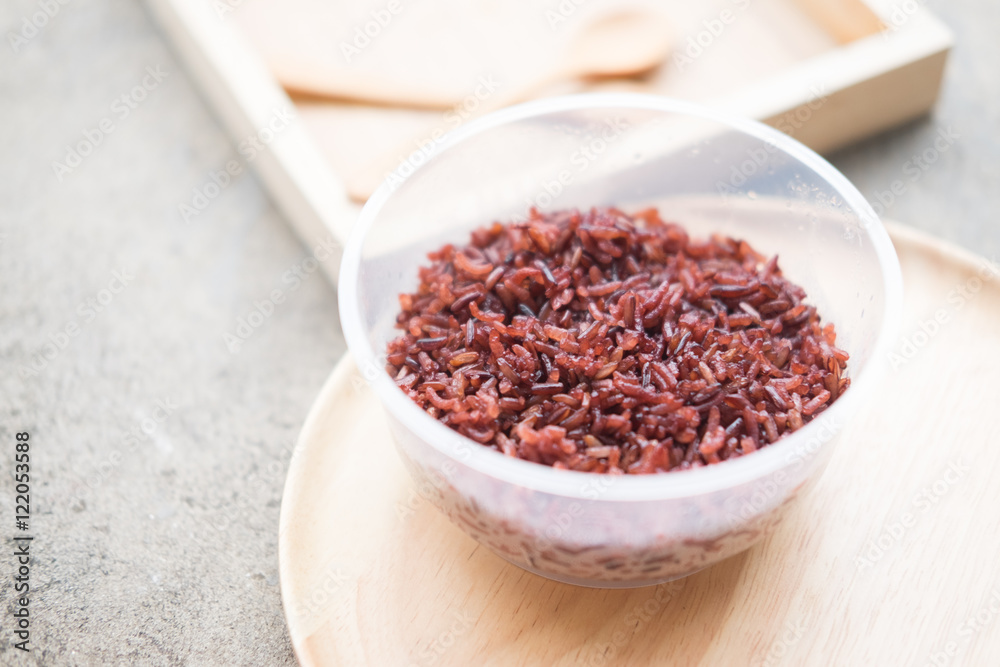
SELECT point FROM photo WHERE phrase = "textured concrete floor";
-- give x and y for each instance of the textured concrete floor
(957, 196)
(166, 552)
(156, 527)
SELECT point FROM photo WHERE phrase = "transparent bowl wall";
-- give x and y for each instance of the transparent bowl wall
(712, 174)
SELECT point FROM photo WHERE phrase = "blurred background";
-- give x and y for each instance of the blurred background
(161, 433)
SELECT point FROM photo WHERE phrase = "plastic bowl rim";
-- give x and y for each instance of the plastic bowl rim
(769, 460)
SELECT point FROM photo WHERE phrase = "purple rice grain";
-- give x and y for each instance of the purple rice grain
(605, 342)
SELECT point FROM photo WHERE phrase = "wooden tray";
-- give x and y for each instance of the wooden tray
(890, 559)
(827, 71)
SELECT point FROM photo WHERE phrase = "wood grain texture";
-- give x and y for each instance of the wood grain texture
(798, 79)
(846, 20)
(890, 558)
(431, 54)
(246, 98)
(820, 71)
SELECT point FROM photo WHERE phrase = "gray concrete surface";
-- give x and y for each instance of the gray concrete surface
(955, 194)
(158, 454)
(159, 549)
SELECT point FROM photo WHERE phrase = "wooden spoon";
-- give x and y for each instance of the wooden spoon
(626, 43)
(433, 54)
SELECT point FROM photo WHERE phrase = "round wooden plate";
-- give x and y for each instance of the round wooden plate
(893, 557)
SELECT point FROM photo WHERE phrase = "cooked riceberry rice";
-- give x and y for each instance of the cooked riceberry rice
(604, 342)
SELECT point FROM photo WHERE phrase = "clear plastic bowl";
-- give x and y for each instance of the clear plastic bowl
(709, 172)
